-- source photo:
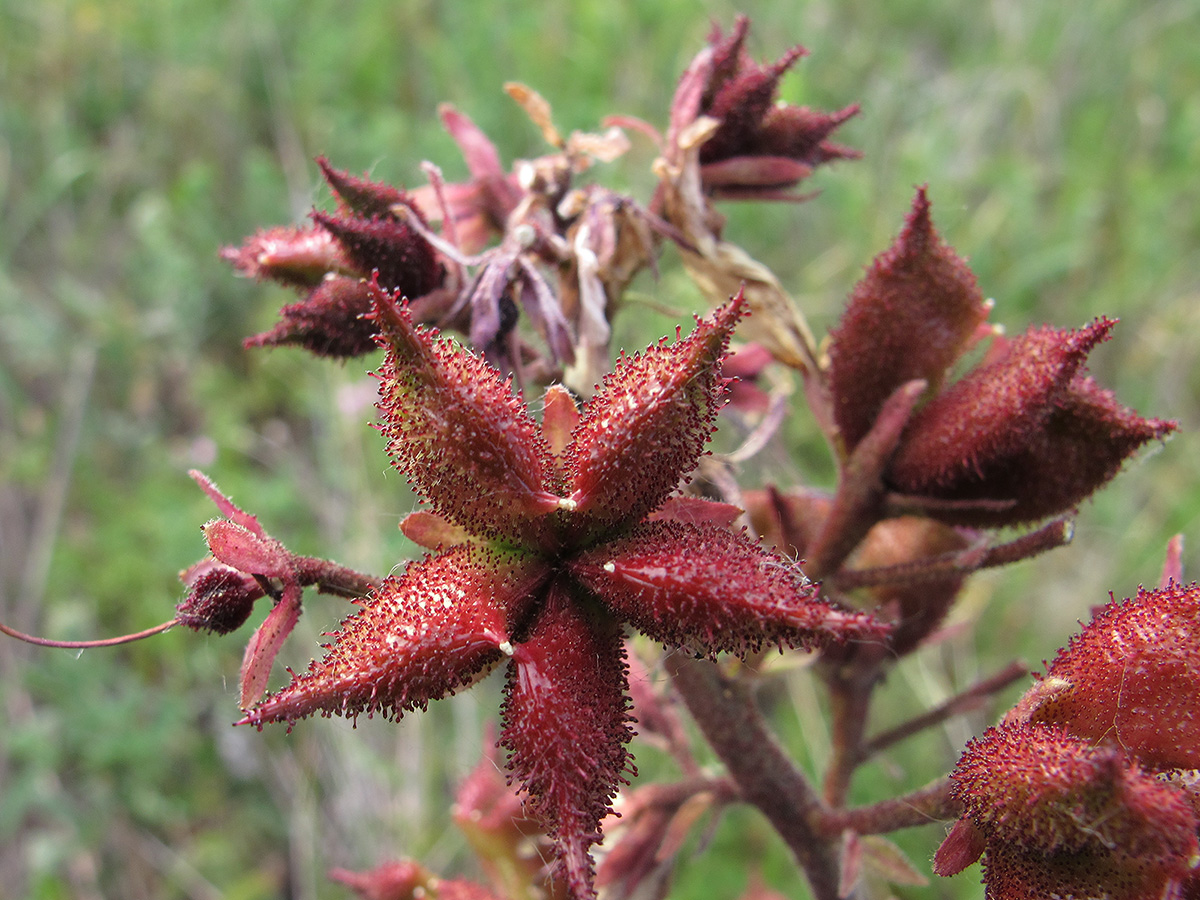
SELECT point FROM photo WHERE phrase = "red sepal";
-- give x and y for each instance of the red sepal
(1026, 428)
(467, 444)
(566, 726)
(361, 196)
(404, 260)
(265, 643)
(330, 321)
(910, 317)
(713, 590)
(296, 257)
(418, 637)
(647, 425)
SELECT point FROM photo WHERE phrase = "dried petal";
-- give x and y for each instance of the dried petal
(646, 427)
(467, 444)
(566, 725)
(1133, 676)
(910, 317)
(418, 637)
(713, 590)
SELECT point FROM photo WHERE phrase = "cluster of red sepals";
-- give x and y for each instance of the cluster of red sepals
(1088, 787)
(547, 538)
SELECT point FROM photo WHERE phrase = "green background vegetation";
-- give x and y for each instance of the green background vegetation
(1059, 140)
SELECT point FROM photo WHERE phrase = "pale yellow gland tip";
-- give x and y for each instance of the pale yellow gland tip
(609, 567)
(506, 648)
(567, 503)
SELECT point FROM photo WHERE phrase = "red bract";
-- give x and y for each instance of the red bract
(329, 262)
(1021, 437)
(554, 552)
(1061, 817)
(759, 147)
(1132, 676)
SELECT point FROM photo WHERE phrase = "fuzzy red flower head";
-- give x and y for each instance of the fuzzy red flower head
(1022, 437)
(756, 147)
(328, 262)
(1086, 786)
(549, 536)
(1058, 816)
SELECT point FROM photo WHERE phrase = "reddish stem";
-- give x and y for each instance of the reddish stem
(85, 645)
(767, 778)
(959, 703)
(850, 689)
(931, 803)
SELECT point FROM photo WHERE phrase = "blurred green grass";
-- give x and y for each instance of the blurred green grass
(1059, 141)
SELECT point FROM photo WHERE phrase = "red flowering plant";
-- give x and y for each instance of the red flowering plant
(551, 539)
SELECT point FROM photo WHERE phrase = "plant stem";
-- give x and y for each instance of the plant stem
(766, 776)
(931, 803)
(966, 700)
(850, 690)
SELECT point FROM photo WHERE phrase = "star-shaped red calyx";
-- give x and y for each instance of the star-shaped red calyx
(549, 537)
